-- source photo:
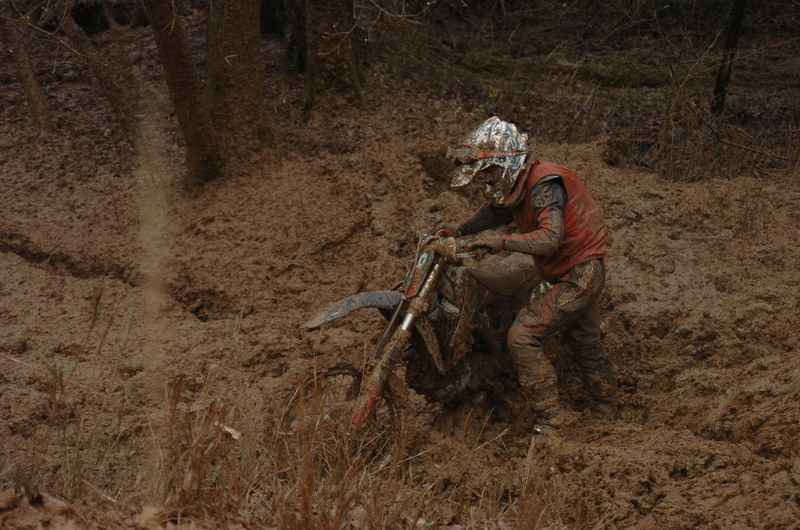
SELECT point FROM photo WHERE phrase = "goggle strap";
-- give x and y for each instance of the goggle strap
(467, 153)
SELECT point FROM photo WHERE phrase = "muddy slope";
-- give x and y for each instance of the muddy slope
(700, 312)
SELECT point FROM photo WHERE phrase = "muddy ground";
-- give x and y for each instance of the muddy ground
(114, 280)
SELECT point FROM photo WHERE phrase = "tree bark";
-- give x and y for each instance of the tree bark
(235, 77)
(203, 160)
(728, 53)
(11, 38)
(332, 51)
(109, 81)
(297, 49)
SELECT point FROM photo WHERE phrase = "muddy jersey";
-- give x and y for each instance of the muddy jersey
(584, 229)
(560, 224)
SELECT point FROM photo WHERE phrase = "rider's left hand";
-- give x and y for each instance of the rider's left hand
(487, 241)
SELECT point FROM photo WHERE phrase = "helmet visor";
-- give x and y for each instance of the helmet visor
(464, 173)
(470, 160)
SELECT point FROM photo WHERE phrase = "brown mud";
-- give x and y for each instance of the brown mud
(113, 280)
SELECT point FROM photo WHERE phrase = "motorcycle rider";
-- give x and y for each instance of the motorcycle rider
(562, 227)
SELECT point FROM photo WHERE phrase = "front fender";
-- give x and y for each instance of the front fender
(378, 299)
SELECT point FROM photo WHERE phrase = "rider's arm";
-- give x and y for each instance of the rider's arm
(485, 218)
(550, 199)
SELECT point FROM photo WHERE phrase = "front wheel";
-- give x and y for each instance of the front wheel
(326, 405)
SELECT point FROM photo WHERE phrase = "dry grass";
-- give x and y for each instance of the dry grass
(312, 469)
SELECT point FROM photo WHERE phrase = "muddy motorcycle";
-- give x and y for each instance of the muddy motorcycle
(446, 324)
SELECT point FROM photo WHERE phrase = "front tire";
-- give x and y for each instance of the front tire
(326, 404)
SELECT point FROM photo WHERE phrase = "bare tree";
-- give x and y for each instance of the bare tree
(11, 38)
(332, 50)
(297, 49)
(109, 80)
(203, 159)
(728, 53)
(234, 76)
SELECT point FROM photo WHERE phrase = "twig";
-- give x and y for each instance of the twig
(93, 488)
(718, 136)
(475, 450)
(23, 363)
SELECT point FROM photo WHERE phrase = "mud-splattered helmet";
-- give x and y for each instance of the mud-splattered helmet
(493, 143)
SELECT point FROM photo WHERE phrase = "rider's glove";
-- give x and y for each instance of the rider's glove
(486, 241)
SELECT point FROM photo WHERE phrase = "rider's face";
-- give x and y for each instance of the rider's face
(491, 174)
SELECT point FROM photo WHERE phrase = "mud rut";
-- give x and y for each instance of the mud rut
(701, 311)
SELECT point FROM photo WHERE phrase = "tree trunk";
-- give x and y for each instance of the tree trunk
(297, 49)
(728, 54)
(109, 81)
(332, 51)
(11, 39)
(235, 77)
(203, 156)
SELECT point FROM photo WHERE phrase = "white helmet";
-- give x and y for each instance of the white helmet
(493, 143)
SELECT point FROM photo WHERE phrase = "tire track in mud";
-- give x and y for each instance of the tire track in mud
(61, 263)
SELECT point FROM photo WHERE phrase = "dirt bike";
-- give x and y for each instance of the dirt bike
(442, 325)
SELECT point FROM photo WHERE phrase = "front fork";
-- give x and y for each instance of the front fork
(399, 341)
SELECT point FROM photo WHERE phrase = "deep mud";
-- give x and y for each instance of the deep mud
(700, 312)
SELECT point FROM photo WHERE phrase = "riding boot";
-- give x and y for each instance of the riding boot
(585, 340)
(602, 384)
(537, 380)
(605, 395)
